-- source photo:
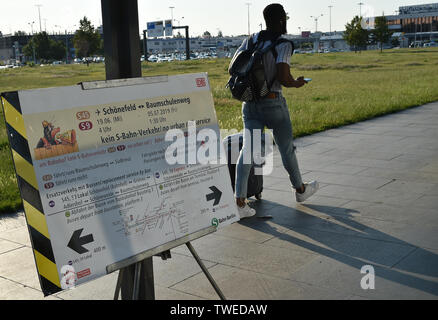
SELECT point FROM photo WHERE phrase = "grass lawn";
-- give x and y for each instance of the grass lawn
(346, 88)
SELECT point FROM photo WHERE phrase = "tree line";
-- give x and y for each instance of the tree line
(358, 37)
(86, 41)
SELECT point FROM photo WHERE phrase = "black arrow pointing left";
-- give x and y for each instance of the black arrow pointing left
(77, 242)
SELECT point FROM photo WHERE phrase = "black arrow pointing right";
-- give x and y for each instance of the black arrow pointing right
(77, 242)
(216, 195)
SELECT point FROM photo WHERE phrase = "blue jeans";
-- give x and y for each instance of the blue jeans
(274, 114)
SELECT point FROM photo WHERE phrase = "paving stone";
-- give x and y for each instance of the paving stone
(271, 181)
(342, 247)
(314, 217)
(17, 235)
(428, 202)
(344, 169)
(279, 197)
(10, 290)
(345, 275)
(244, 231)
(411, 187)
(346, 180)
(421, 142)
(400, 174)
(375, 196)
(407, 214)
(408, 132)
(421, 262)
(364, 129)
(317, 148)
(100, 289)
(19, 266)
(431, 167)
(390, 164)
(162, 293)
(6, 246)
(172, 271)
(250, 256)
(237, 284)
(418, 235)
(10, 221)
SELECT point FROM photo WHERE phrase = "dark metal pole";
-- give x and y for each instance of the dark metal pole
(187, 40)
(145, 45)
(66, 47)
(121, 39)
(205, 270)
(187, 43)
(122, 60)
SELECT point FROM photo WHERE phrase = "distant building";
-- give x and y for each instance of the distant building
(334, 41)
(417, 23)
(163, 45)
(11, 46)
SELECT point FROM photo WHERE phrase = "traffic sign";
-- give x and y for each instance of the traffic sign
(155, 29)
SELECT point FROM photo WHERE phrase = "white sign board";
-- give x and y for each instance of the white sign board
(106, 189)
(155, 29)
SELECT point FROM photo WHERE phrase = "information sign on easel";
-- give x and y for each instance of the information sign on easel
(93, 171)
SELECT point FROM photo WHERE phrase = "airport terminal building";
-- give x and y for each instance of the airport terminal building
(417, 23)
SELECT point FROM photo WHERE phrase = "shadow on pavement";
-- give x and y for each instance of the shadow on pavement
(334, 231)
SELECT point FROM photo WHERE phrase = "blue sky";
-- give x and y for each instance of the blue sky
(229, 16)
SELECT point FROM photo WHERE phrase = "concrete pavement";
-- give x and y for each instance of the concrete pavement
(377, 206)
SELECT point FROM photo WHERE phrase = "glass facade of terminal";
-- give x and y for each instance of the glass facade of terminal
(418, 24)
(415, 19)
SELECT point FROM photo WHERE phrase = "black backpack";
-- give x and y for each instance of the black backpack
(248, 81)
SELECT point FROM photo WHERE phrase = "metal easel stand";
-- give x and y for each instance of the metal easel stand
(164, 252)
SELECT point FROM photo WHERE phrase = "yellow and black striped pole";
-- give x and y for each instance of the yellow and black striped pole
(28, 185)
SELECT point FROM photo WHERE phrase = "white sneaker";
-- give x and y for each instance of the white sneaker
(246, 212)
(311, 189)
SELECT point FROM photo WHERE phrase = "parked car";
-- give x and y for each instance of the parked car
(98, 59)
(430, 44)
(153, 58)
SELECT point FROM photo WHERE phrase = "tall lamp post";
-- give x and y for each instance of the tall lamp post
(330, 8)
(330, 42)
(33, 43)
(58, 26)
(39, 14)
(316, 21)
(299, 28)
(31, 25)
(66, 47)
(171, 16)
(249, 24)
(360, 4)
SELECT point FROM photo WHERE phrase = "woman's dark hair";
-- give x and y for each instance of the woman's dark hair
(273, 14)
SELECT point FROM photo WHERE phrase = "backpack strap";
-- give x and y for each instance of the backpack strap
(280, 41)
(251, 43)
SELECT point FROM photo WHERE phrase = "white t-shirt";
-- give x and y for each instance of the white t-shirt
(284, 54)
